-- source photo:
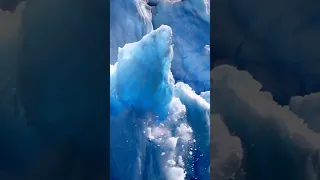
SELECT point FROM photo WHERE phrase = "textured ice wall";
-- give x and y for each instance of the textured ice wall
(190, 23)
(159, 128)
(130, 20)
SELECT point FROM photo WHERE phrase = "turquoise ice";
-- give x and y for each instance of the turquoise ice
(159, 128)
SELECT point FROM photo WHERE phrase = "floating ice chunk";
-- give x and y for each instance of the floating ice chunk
(176, 173)
(176, 109)
(180, 161)
(207, 48)
(171, 162)
(172, 142)
(149, 133)
(185, 132)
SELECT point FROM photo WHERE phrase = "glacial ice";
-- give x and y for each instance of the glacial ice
(130, 20)
(159, 127)
(190, 23)
(159, 68)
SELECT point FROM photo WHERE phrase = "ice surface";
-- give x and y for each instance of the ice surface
(159, 128)
(130, 20)
(159, 124)
(147, 63)
(190, 23)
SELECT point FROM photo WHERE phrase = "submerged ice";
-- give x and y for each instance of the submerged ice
(159, 127)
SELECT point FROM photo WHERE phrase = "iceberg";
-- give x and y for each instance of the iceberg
(159, 128)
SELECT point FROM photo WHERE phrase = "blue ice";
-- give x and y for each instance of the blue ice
(190, 23)
(159, 82)
(130, 20)
(159, 127)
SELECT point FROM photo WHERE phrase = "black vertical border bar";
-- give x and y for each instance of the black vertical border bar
(97, 80)
(105, 90)
(108, 83)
